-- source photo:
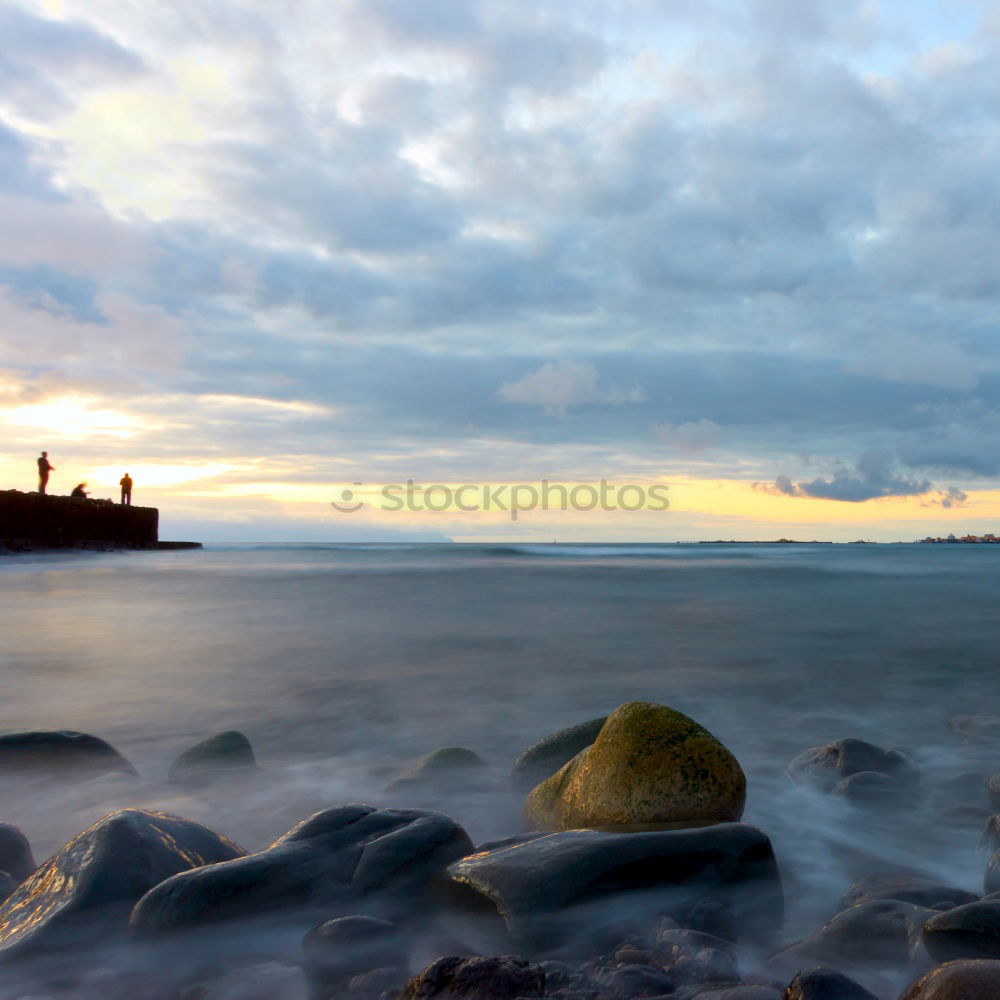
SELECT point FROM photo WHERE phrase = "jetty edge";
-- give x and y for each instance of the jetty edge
(36, 521)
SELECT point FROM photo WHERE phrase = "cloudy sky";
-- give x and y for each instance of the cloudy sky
(258, 253)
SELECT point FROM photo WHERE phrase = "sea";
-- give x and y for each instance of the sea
(345, 664)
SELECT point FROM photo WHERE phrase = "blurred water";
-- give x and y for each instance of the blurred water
(344, 663)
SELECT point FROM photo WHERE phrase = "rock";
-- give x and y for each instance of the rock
(550, 889)
(693, 957)
(993, 790)
(217, 756)
(637, 981)
(874, 790)
(741, 992)
(84, 893)
(455, 978)
(648, 765)
(825, 984)
(968, 931)
(882, 933)
(450, 769)
(16, 858)
(962, 980)
(826, 766)
(7, 885)
(374, 984)
(544, 758)
(345, 860)
(991, 882)
(259, 981)
(341, 949)
(59, 752)
(908, 887)
(978, 724)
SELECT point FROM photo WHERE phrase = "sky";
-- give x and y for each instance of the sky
(259, 255)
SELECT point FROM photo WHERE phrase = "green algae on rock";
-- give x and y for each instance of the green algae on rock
(649, 764)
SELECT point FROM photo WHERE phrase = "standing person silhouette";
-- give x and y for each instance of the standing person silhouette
(126, 484)
(44, 468)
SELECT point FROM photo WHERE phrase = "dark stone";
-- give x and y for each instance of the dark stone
(218, 755)
(84, 893)
(884, 932)
(547, 756)
(340, 949)
(552, 887)
(744, 992)
(693, 957)
(825, 984)
(16, 858)
(962, 980)
(346, 860)
(455, 978)
(7, 885)
(58, 752)
(910, 888)
(993, 790)
(450, 769)
(374, 984)
(991, 882)
(874, 790)
(969, 931)
(637, 981)
(826, 766)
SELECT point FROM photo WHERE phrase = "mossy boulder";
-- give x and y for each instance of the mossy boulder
(649, 765)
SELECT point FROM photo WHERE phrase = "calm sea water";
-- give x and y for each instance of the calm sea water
(343, 664)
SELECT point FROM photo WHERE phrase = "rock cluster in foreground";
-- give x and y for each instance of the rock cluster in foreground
(673, 898)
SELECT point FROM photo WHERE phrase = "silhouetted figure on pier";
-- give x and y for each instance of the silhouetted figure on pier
(126, 484)
(79, 492)
(44, 468)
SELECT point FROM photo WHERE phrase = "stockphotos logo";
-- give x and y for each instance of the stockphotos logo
(513, 499)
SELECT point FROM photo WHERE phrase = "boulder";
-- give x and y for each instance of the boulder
(825, 767)
(636, 981)
(7, 885)
(740, 992)
(885, 933)
(968, 931)
(874, 790)
(219, 755)
(16, 858)
(448, 770)
(352, 859)
(544, 758)
(693, 957)
(552, 889)
(456, 978)
(338, 950)
(825, 984)
(649, 765)
(83, 894)
(58, 752)
(961, 980)
(920, 890)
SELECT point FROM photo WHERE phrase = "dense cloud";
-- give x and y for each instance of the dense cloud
(762, 232)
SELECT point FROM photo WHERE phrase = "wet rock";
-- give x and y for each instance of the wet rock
(993, 790)
(649, 765)
(16, 858)
(544, 758)
(825, 984)
(636, 981)
(693, 957)
(874, 790)
(84, 893)
(58, 752)
(742, 992)
(978, 724)
(455, 978)
(961, 980)
(968, 931)
(345, 860)
(908, 887)
(450, 769)
(219, 755)
(259, 981)
(550, 889)
(882, 933)
(7, 885)
(991, 882)
(373, 985)
(341, 949)
(825, 767)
